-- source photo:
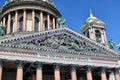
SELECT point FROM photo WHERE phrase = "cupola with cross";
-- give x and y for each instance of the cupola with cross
(94, 29)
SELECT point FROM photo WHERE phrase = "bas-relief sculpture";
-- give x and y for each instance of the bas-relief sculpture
(61, 41)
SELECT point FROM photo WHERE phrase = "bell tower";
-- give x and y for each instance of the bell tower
(94, 29)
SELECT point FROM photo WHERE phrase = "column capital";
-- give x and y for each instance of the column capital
(73, 67)
(1, 62)
(88, 68)
(56, 66)
(102, 69)
(38, 65)
(19, 63)
(115, 70)
(16, 10)
(24, 9)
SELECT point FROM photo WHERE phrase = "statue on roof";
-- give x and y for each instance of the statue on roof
(2, 30)
(61, 21)
(111, 44)
(119, 48)
(50, 1)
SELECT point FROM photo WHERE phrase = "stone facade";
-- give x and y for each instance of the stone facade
(37, 47)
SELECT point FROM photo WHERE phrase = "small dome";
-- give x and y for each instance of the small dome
(93, 19)
(49, 1)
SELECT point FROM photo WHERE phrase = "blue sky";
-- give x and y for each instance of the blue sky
(77, 11)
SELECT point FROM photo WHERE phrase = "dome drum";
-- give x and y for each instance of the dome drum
(29, 16)
(39, 5)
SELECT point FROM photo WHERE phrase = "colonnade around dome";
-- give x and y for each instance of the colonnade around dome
(29, 20)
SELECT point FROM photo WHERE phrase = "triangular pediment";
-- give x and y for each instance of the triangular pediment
(62, 39)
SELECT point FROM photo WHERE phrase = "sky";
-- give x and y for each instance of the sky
(77, 11)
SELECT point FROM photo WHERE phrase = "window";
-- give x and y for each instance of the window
(98, 36)
(46, 24)
(20, 24)
(11, 26)
(36, 24)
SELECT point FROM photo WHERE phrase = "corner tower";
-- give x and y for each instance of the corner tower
(94, 29)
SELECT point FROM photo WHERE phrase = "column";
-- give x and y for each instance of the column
(48, 21)
(94, 36)
(104, 33)
(33, 20)
(8, 24)
(116, 73)
(90, 33)
(73, 72)
(111, 76)
(16, 21)
(1, 65)
(41, 21)
(39, 70)
(24, 20)
(56, 71)
(19, 70)
(88, 72)
(53, 23)
(103, 73)
(4, 20)
(102, 36)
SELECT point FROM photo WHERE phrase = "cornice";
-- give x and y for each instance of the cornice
(3, 43)
(40, 4)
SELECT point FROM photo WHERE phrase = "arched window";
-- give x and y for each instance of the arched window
(20, 24)
(98, 36)
(88, 35)
(11, 26)
(36, 24)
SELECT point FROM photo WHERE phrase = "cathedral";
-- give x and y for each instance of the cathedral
(35, 44)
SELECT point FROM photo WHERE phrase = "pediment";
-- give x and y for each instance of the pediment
(59, 39)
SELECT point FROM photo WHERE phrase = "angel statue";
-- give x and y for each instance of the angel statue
(118, 47)
(2, 30)
(111, 44)
(61, 21)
